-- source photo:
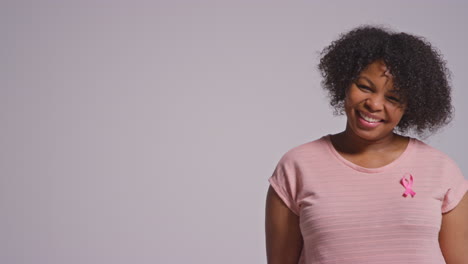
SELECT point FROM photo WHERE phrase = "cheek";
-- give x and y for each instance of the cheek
(398, 114)
(347, 105)
(354, 96)
(351, 102)
(348, 101)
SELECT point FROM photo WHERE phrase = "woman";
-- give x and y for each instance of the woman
(370, 194)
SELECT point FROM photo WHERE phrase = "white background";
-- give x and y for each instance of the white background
(145, 131)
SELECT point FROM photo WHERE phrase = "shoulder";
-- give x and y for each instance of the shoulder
(431, 155)
(306, 150)
(427, 151)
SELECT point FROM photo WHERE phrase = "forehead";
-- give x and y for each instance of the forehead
(377, 69)
(378, 74)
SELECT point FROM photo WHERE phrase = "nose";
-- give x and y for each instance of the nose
(375, 103)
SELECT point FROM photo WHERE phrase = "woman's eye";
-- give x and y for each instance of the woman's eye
(363, 87)
(394, 99)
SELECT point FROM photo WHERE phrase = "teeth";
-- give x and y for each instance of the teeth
(368, 119)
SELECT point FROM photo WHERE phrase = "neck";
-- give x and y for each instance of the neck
(348, 142)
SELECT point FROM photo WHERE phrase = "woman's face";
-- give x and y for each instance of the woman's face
(372, 105)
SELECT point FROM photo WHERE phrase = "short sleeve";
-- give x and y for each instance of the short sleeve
(456, 186)
(285, 182)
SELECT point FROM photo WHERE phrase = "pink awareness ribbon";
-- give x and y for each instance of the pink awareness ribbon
(408, 184)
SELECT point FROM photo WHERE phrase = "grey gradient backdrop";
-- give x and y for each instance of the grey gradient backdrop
(145, 131)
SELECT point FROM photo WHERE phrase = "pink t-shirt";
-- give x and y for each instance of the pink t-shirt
(352, 214)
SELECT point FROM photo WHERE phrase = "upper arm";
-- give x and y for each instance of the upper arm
(283, 236)
(453, 236)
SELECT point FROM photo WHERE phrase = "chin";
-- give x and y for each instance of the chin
(373, 137)
(374, 134)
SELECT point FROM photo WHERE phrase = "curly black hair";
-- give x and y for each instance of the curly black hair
(418, 69)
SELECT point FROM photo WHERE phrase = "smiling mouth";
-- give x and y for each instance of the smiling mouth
(368, 118)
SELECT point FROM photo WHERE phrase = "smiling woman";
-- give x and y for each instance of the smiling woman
(372, 106)
(370, 194)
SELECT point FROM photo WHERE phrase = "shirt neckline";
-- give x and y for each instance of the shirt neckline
(356, 167)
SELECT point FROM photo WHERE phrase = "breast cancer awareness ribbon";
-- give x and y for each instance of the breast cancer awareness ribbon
(408, 184)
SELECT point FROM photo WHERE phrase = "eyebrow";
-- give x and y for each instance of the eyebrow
(369, 81)
(373, 85)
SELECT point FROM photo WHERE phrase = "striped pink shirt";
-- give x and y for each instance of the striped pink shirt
(352, 214)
